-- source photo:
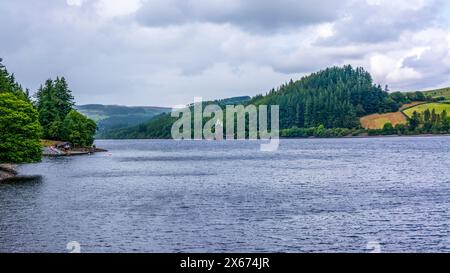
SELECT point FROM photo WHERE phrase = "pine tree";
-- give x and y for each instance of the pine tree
(63, 97)
(54, 102)
(49, 115)
(414, 121)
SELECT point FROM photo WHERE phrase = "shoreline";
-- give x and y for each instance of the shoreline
(312, 137)
(363, 137)
(8, 171)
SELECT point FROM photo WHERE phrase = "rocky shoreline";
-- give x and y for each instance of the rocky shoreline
(7, 171)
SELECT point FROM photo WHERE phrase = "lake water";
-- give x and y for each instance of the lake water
(314, 195)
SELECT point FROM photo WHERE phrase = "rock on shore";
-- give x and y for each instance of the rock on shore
(7, 171)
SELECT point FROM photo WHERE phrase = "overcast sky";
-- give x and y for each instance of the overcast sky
(165, 52)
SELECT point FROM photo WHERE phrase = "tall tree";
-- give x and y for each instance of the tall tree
(54, 102)
(414, 121)
(63, 97)
(78, 129)
(19, 125)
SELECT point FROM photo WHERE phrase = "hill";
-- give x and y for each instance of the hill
(443, 92)
(160, 126)
(333, 98)
(438, 107)
(377, 121)
(112, 117)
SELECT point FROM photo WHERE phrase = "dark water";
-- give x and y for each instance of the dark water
(164, 196)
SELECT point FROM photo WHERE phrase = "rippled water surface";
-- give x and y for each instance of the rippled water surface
(164, 196)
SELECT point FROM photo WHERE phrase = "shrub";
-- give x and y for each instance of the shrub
(20, 130)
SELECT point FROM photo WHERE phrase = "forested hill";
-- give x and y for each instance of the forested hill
(160, 126)
(335, 98)
(113, 117)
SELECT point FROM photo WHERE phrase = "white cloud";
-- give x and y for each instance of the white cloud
(74, 2)
(117, 8)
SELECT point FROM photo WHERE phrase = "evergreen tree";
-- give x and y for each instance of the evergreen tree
(334, 97)
(414, 121)
(8, 83)
(63, 97)
(428, 122)
(49, 116)
(54, 102)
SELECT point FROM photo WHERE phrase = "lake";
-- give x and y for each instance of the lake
(312, 195)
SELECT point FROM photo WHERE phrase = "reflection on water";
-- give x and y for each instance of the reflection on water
(25, 179)
(310, 196)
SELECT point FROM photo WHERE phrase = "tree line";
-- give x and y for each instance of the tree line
(25, 120)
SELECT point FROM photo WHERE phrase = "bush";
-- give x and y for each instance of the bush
(388, 129)
(20, 130)
(78, 129)
(401, 129)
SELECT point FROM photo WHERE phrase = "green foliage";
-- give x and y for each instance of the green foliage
(401, 129)
(78, 129)
(439, 93)
(429, 122)
(54, 102)
(19, 130)
(8, 84)
(388, 129)
(58, 118)
(19, 125)
(414, 121)
(404, 98)
(319, 131)
(334, 97)
(160, 126)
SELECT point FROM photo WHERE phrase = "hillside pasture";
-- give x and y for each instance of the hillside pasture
(377, 121)
(439, 108)
(444, 92)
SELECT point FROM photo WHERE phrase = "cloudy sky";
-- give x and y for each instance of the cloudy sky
(165, 52)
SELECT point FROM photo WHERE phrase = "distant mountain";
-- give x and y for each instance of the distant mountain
(160, 126)
(113, 117)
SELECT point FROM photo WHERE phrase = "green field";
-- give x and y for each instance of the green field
(439, 107)
(444, 92)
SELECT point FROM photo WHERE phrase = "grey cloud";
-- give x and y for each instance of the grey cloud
(198, 48)
(370, 23)
(252, 15)
(433, 64)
